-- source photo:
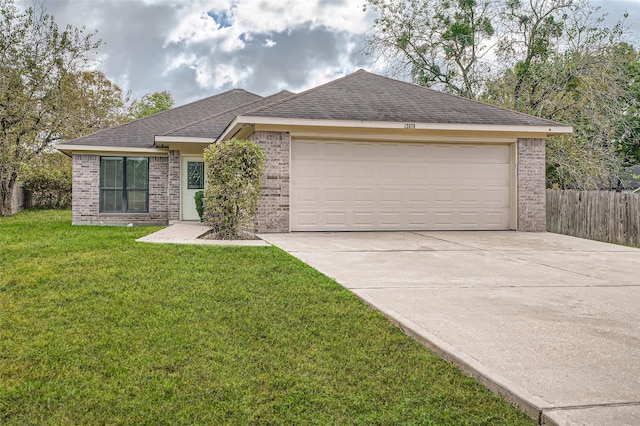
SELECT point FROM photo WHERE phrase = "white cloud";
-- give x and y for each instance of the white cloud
(223, 75)
(196, 48)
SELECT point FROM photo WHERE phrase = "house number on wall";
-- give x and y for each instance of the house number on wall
(409, 125)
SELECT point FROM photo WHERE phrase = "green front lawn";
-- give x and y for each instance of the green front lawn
(98, 329)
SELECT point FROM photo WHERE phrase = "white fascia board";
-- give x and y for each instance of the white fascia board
(108, 149)
(548, 130)
(401, 137)
(229, 129)
(184, 139)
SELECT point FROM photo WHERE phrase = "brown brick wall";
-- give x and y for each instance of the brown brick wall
(273, 210)
(174, 186)
(158, 194)
(85, 202)
(86, 194)
(531, 185)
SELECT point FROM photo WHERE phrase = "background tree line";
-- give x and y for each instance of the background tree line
(50, 92)
(554, 59)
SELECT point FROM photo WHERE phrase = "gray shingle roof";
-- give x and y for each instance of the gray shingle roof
(213, 126)
(141, 133)
(364, 96)
(361, 96)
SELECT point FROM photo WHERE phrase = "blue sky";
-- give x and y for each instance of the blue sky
(197, 48)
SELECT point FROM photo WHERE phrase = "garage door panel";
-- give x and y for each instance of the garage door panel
(417, 196)
(390, 151)
(363, 219)
(441, 153)
(418, 219)
(417, 172)
(363, 171)
(333, 149)
(413, 186)
(336, 195)
(391, 195)
(496, 154)
(363, 196)
(306, 195)
(469, 196)
(307, 150)
(495, 218)
(496, 197)
(305, 170)
(307, 219)
(495, 174)
(417, 152)
(390, 220)
(360, 151)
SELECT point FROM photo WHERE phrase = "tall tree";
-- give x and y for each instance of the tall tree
(553, 58)
(442, 43)
(90, 102)
(539, 35)
(151, 103)
(627, 133)
(46, 92)
(590, 88)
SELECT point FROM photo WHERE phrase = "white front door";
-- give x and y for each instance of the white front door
(191, 181)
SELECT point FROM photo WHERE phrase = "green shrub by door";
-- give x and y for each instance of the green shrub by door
(233, 172)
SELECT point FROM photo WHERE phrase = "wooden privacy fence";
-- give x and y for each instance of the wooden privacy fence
(612, 217)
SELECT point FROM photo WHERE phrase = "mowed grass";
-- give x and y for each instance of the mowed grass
(98, 329)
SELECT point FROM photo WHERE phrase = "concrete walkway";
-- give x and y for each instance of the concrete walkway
(549, 322)
(188, 233)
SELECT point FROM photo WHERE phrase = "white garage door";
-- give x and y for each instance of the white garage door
(351, 186)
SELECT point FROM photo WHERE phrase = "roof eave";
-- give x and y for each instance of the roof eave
(232, 129)
(551, 130)
(84, 149)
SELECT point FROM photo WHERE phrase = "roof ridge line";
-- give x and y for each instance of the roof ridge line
(167, 133)
(313, 89)
(198, 101)
(215, 115)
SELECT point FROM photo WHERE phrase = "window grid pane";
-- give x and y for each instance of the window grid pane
(111, 200)
(137, 173)
(111, 172)
(136, 200)
(195, 175)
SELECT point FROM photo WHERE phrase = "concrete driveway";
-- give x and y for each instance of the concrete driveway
(549, 322)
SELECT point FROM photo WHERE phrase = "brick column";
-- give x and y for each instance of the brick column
(531, 185)
(173, 186)
(158, 204)
(85, 203)
(273, 210)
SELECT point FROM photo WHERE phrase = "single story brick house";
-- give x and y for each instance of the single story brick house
(363, 152)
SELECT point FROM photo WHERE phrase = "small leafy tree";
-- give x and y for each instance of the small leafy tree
(234, 169)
